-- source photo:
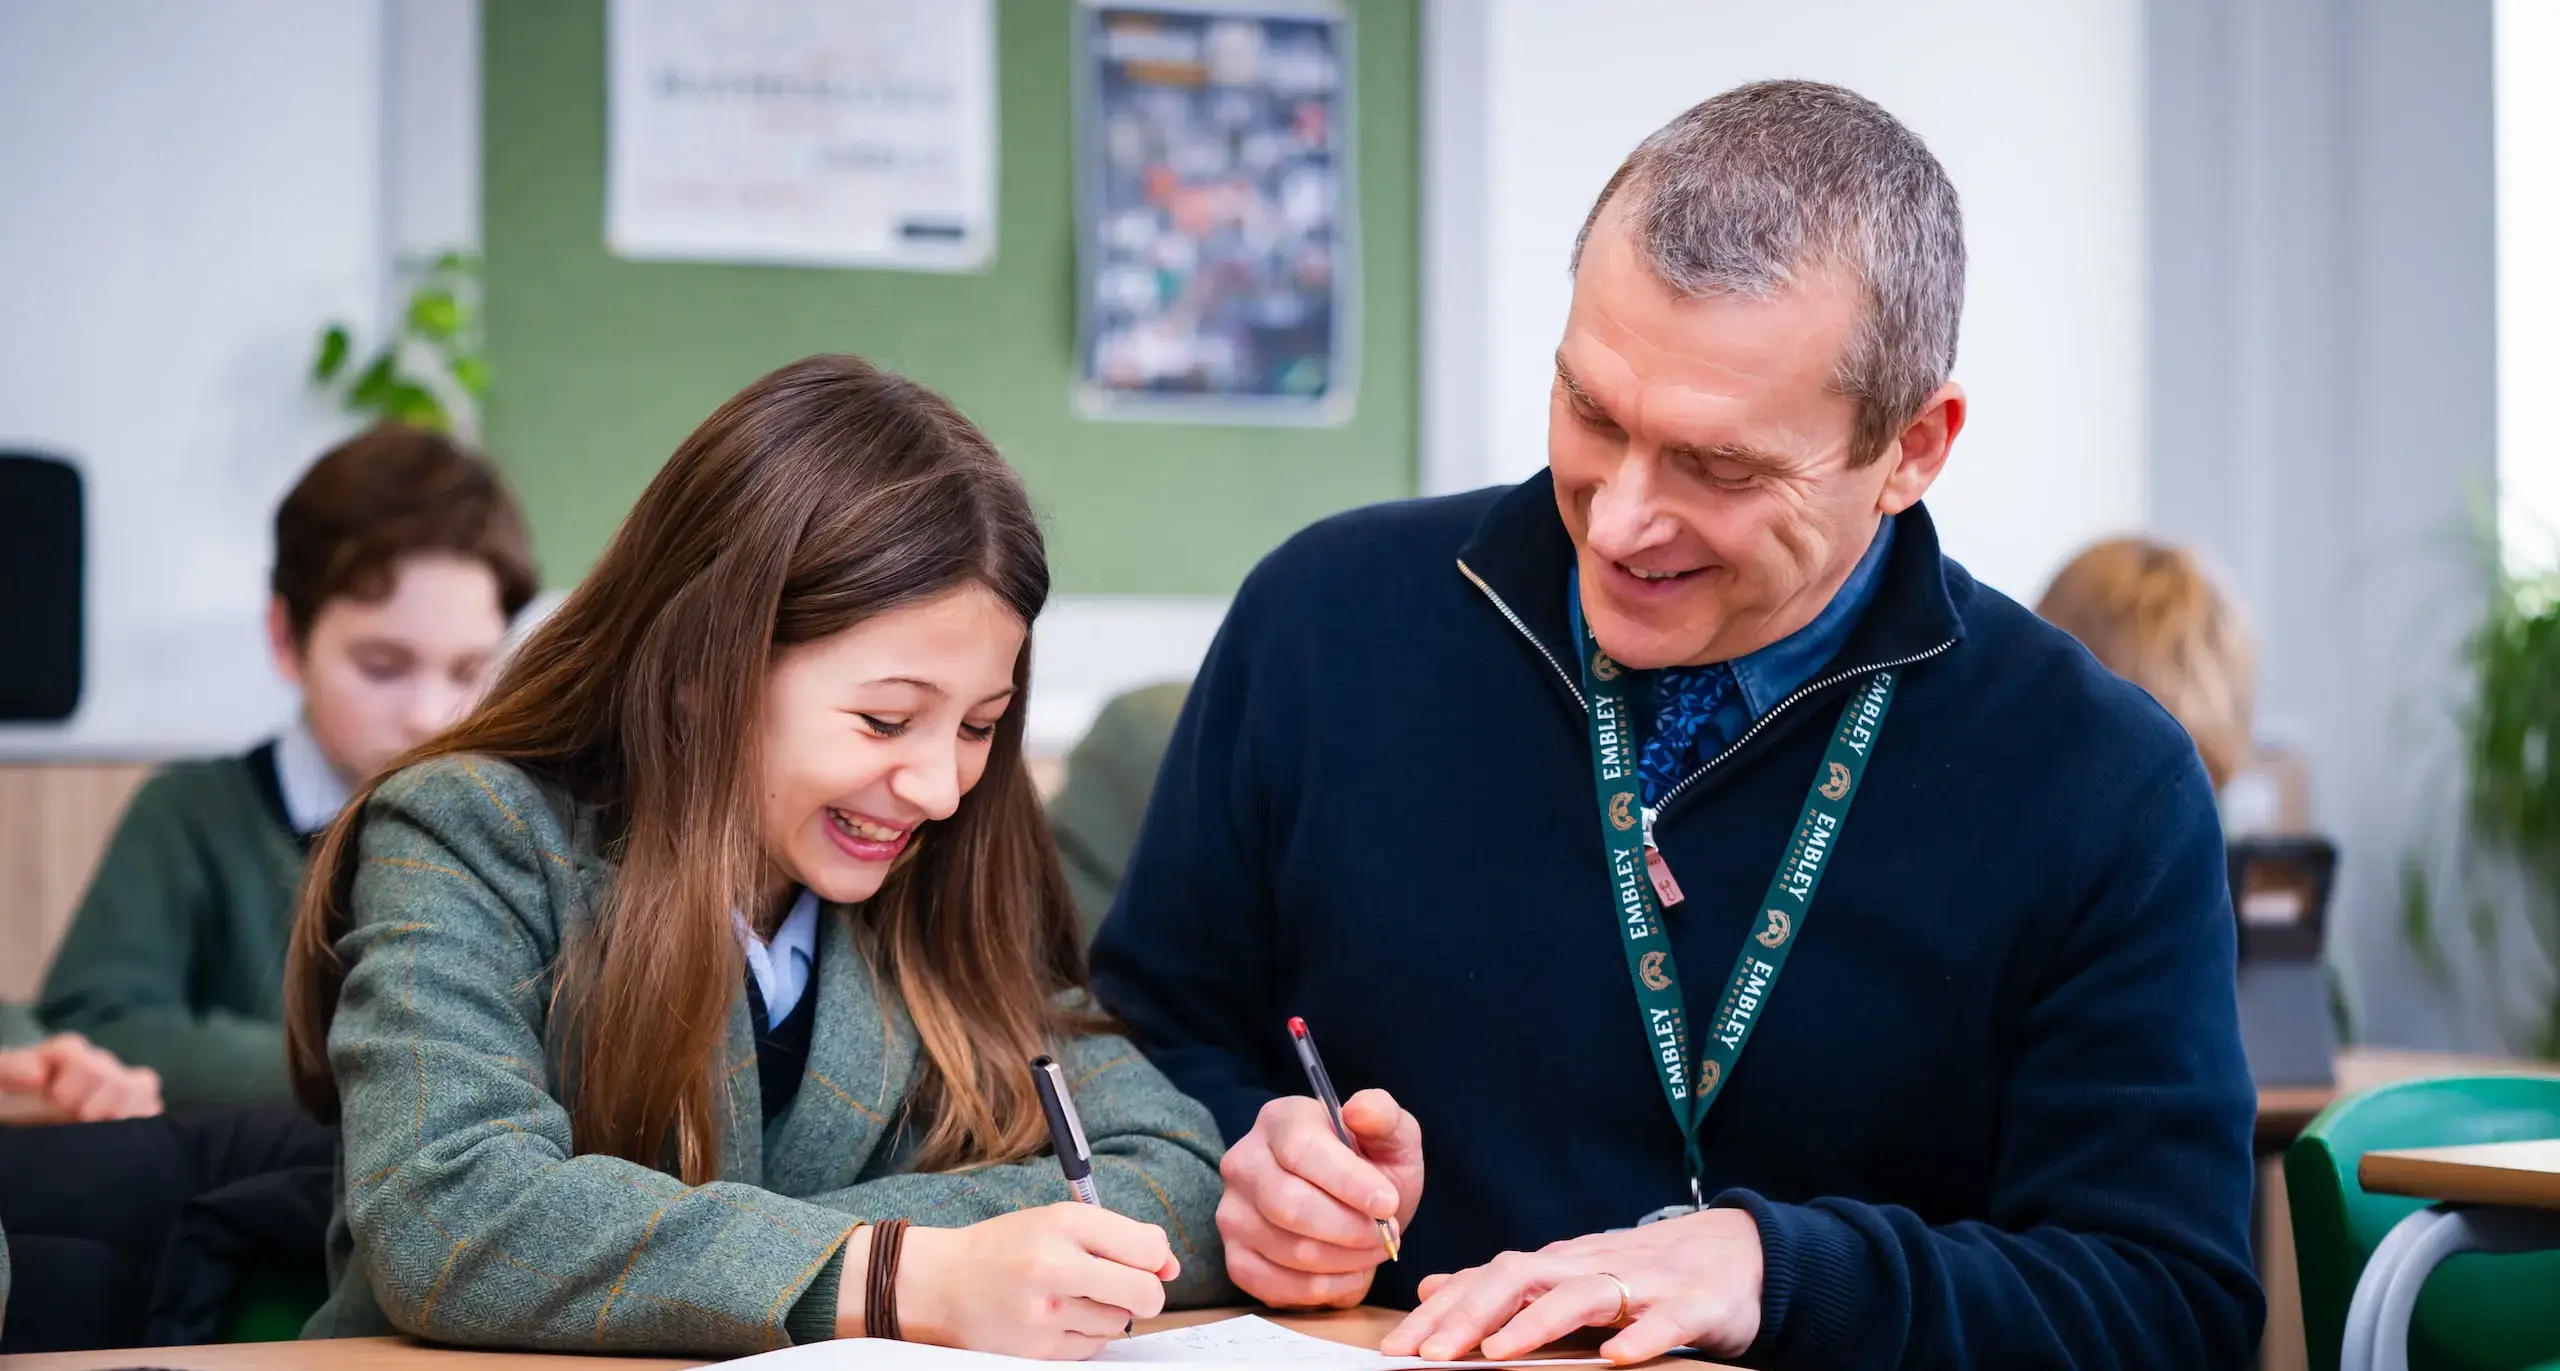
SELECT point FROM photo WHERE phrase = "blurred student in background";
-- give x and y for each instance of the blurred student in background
(1111, 772)
(2153, 614)
(399, 559)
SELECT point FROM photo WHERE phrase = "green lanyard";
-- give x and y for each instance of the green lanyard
(1624, 828)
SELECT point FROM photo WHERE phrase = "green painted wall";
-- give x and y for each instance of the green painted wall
(601, 366)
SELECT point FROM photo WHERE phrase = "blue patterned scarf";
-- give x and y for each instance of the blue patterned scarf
(1682, 733)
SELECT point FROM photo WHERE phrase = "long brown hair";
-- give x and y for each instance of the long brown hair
(823, 494)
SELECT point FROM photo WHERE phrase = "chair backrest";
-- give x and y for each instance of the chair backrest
(2280, 893)
(41, 552)
(2478, 1313)
(2280, 896)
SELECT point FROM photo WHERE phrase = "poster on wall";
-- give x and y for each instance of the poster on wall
(804, 132)
(1218, 264)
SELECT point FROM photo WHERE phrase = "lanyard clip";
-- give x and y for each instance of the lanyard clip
(1648, 825)
(1697, 1193)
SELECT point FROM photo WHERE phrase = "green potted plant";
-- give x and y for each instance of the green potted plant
(2511, 733)
(2509, 835)
(431, 371)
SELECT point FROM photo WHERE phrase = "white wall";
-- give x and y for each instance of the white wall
(433, 175)
(194, 190)
(2325, 422)
(2528, 171)
(199, 186)
(2035, 108)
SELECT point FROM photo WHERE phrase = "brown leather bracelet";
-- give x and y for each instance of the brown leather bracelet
(880, 1288)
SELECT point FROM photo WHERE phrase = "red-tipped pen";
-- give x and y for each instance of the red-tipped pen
(1322, 1084)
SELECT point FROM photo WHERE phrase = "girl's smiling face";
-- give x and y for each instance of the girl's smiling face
(875, 730)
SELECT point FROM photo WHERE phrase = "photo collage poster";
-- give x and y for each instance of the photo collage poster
(1218, 267)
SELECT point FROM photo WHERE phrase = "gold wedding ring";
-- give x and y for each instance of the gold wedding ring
(1626, 1300)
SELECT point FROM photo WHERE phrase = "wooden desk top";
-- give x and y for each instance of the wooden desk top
(332, 1354)
(2516, 1174)
(2284, 1111)
(1357, 1327)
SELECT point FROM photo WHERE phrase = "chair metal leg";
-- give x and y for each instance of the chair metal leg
(2446, 1231)
(2355, 1349)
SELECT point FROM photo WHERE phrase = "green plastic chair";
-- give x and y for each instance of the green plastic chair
(272, 1303)
(2479, 1312)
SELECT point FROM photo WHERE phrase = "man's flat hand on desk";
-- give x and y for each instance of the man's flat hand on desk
(1693, 1281)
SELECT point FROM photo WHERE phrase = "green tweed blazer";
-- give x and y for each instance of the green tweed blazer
(463, 1215)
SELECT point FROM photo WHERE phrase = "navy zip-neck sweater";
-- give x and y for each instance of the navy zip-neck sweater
(1994, 1114)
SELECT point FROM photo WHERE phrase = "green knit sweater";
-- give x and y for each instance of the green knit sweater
(18, 1027)
(464, 1214)
(175, 958)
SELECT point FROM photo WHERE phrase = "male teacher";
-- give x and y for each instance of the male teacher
(1744, 929)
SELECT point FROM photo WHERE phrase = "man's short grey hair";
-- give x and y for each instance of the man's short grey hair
(1770, 181)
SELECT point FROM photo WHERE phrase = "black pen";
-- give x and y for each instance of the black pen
(1066, 1131)
(1066, 1135)
(1322, 1084)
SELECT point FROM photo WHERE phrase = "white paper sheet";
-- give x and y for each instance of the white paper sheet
(804, 132)
(1244, 1341)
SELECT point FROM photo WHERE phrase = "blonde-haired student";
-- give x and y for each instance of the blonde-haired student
(2155, 614)
(656, 997)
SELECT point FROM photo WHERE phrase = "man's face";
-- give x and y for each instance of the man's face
(1701, 458)
(381, 677)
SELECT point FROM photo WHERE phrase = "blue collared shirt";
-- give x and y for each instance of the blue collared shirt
(1776, 671)
(781, 967)
(1772, 673)
(313, 790)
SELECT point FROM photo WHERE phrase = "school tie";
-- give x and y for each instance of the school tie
(1684, 733)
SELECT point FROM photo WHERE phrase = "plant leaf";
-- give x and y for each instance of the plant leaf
(2485, 928)
(2342, 1015)
(332, 357)
(411, 403)
(2418, 922)
(435, 314)
(374, 387)
(471, 372)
